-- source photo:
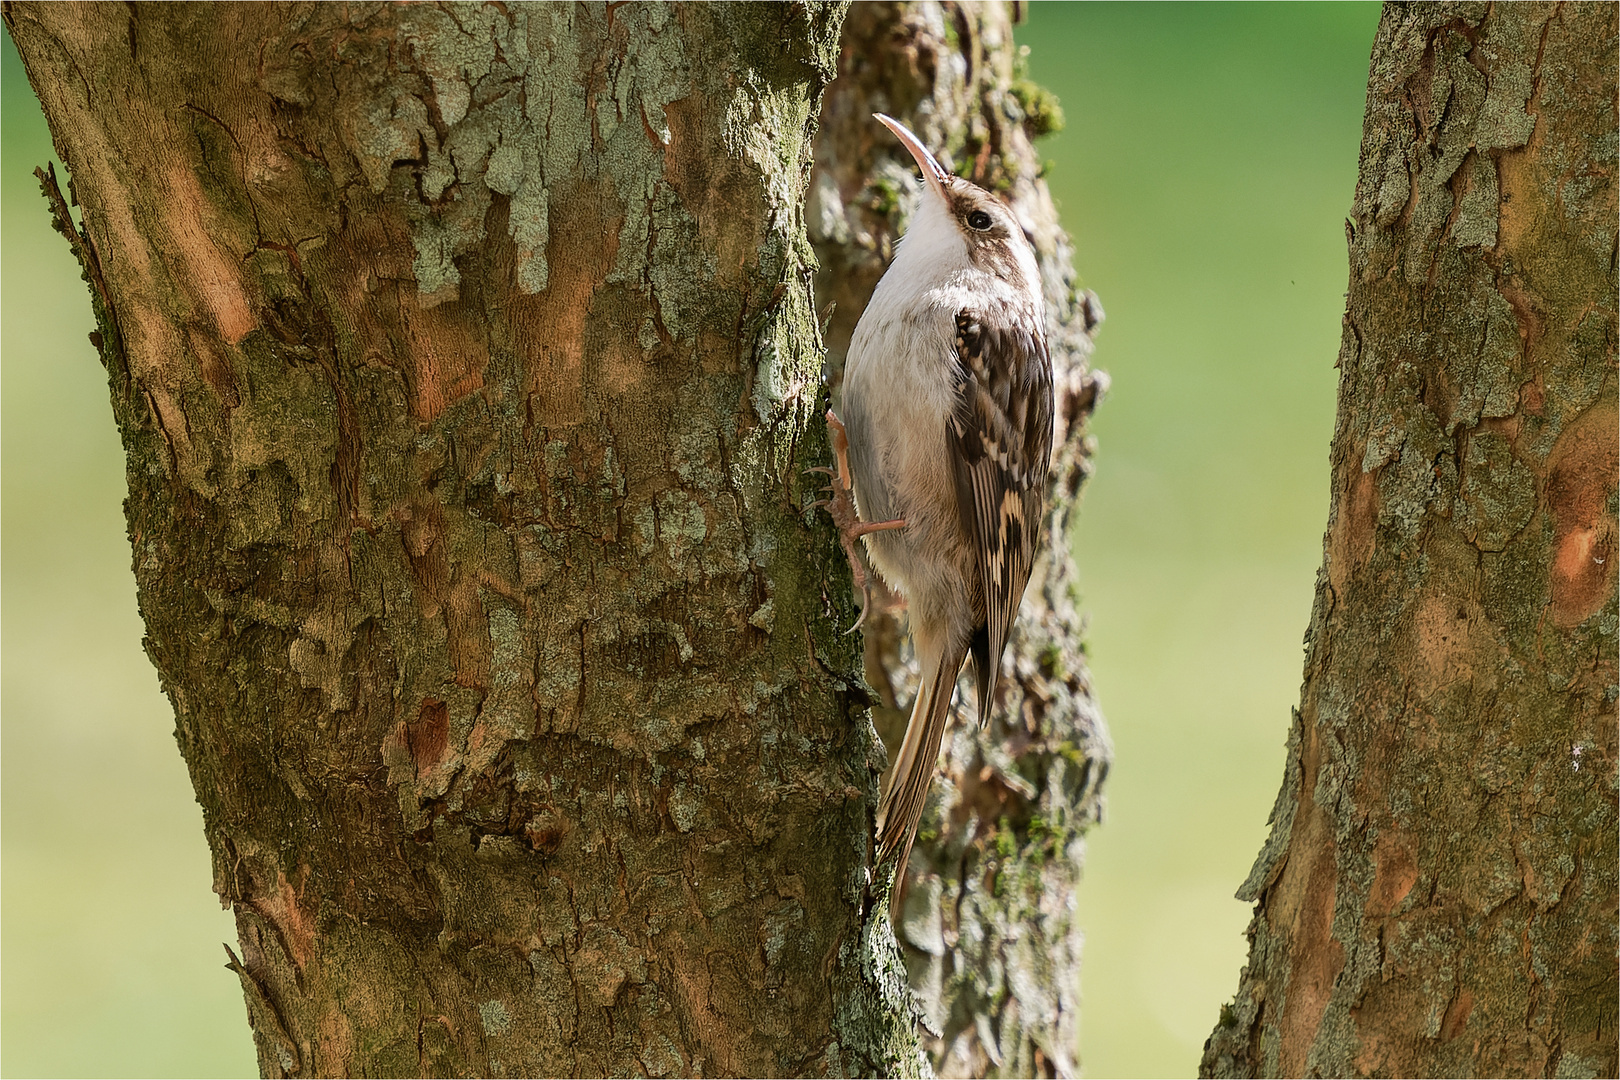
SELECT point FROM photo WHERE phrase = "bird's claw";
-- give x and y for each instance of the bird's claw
(866, 607)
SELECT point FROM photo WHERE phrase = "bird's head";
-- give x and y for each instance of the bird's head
(953, 209)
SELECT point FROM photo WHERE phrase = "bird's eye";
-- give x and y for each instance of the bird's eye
(978, 220)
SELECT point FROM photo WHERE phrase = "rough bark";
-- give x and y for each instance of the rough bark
(1438, 895)
(466, 366)
(987, 922)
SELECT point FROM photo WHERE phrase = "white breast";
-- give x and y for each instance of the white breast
(898, 392)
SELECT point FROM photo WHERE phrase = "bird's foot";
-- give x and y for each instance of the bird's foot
(840, 506)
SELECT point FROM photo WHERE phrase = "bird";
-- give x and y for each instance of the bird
(942, 454)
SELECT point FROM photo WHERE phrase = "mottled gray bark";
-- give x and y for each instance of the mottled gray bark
(466, 366)
(1438, 895)
(987, 921)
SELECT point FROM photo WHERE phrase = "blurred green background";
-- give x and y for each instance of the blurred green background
(1205, 173)
(109, 929)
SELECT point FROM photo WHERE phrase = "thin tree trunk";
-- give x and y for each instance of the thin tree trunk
(1438, 896)
(988, 922)
(466, 367)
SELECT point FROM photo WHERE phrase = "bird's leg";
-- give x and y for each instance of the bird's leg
(839, 437)
(841, 508)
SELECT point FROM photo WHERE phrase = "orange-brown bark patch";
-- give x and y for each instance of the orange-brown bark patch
(295, 927)
(447, 356)
(215, 279)
(1395, 875)
(1354, 530)
(428, 736)
(1580, 482)
(1533, 398)
(625, 368)
(694, 984)
(1317, 959)
(1300, 907)
(1373, 1056)
(549, 327)
(216, 369)
(336, 1043)
(1456, 1018)
(1442, 626)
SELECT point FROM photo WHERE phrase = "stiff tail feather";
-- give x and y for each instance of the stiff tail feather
(902, 804)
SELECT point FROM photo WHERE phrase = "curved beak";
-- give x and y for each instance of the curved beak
(932, 171)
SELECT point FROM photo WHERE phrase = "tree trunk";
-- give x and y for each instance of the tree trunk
(1438, 896)
(466, 367)
(988, 922)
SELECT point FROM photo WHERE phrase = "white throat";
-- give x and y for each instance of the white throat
(932, 250)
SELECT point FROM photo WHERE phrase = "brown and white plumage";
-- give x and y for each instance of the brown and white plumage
(1001, 442)
(947, 404)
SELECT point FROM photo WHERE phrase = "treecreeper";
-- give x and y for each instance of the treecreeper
(942, 451)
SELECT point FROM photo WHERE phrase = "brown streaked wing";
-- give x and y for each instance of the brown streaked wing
(1001, 442)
